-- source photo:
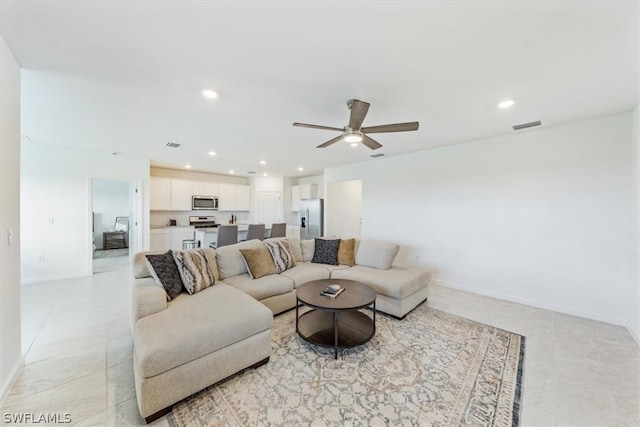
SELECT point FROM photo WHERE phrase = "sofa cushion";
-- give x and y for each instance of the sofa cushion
(259, 262)
(326, 251)
(194, 329)
(281, 254)
(305, 272)
(346, 252)
(329, 267)
(395, 282)
(197, 269)
(264, 287)
(230, 262)
(376, 254)
(308, 247)
(165, 273)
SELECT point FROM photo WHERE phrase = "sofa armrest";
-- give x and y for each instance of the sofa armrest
(148, 298)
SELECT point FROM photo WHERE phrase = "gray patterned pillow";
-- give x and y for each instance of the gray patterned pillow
(164, 270)
(326, 251)
(196, 268)
(281, 254)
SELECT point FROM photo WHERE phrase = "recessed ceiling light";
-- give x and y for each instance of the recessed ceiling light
(263, 162)
(300, 169)
(354, 144)
(265, 174)
(507, 103)
(231, 171)
(210, 94)
(212, 153)
(187, 166)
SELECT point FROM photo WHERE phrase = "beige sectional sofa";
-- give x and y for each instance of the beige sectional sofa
(193, 341)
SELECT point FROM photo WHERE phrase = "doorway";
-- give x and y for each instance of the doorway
(344, 208)
(112, 207)
(269, 207)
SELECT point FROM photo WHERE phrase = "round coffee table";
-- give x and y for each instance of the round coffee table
(336, 322)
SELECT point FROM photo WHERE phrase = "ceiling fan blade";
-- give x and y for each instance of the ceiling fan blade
(396, 127)
(358, 113)
(370, 142)
(331, 141)
(305, 125)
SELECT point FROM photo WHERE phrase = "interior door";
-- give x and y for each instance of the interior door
(269, 207)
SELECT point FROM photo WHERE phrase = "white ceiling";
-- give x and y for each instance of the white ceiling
(126, 76)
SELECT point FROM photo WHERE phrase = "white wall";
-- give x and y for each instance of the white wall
(110, 200)
(56, 187)
(540, 216)
(633, 323)
(10, 322)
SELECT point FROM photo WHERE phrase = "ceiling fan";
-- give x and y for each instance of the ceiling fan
(354, 132)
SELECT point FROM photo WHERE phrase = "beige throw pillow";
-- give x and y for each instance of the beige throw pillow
(346, 252)
(258, 261)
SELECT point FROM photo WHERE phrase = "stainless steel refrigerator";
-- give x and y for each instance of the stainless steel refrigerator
(311, 218)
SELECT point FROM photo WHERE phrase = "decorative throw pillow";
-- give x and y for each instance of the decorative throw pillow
(259, 262)
(326, 251)
(164, 271)
(281, 253)
(346, 252)
(196, 268)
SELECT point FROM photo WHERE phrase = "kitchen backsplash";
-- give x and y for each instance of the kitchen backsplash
(159, 219)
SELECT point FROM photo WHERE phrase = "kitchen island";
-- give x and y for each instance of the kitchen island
(210, 235)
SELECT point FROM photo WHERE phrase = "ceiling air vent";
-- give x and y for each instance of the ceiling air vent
(527, 125)
(251, 172)
(373, 156)
(172, 144)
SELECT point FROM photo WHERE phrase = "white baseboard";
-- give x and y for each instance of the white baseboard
(32, 280)
(13, 376)
(535, 303)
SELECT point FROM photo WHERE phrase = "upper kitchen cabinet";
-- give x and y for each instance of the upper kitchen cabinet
(295, 198)
(181, 193)
(234, 197)
(308, 191)
(302, 192)
(160, 194)
(205, 188)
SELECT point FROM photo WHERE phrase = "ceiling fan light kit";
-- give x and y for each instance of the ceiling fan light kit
(354, 132)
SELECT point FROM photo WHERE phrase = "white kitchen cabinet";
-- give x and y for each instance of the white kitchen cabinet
(295, 198)
(163, 239)
(234, 197)
(181, 193)
(159, 239)
(160, 194)
(205, 188)
(308, 191)
(178, 234)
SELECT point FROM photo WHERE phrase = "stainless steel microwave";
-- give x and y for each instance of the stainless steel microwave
(204, 203)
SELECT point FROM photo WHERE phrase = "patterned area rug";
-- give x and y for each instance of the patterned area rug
(432, 368)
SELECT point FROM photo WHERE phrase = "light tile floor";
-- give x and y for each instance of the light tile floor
(78, 348)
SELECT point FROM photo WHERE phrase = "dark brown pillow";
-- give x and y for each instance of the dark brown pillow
(258, 261)
(326, 251)
(165, 272)
(346, 252)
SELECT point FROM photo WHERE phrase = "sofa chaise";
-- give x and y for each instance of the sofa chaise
(193, 341)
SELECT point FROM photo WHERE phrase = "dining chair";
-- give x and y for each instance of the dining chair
(278, 229)
(227, 235)
(255, 231)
